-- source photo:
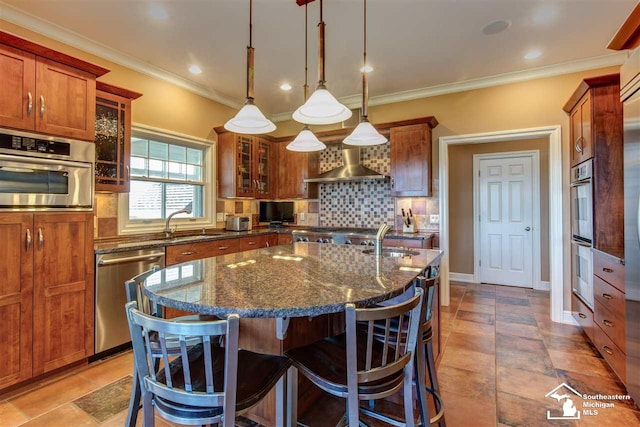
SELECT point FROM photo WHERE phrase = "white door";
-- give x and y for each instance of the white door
(506, 221)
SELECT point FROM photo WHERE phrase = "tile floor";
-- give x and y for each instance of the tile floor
(502, 355)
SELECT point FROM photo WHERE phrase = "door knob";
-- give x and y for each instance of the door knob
(527, 229)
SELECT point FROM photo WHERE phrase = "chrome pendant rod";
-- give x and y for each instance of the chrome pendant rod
(321, 25)
(365, 82)
(250, 52)
(306, 38)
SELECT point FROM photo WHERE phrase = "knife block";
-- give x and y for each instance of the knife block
(412, 228)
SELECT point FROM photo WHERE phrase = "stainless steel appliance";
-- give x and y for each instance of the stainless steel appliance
(582, 202)
(112, 270)
(582, 231)
(342, 236)
(238, 223)
(45, 172)
(630, 95)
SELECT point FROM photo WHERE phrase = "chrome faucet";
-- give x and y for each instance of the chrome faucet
(168, 232)
(382, 231)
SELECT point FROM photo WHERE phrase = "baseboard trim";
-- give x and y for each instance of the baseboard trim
(543, 286)
(462, 277)
(568, 319)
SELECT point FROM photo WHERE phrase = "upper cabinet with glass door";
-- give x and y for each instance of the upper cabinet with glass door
(246, 166)
(113, 133)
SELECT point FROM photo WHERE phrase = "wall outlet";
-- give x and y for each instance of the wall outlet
(219, 216)
(302, 216)
(434, 219)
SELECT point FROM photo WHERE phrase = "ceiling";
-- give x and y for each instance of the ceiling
(413, 45)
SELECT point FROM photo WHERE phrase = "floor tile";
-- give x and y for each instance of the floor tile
(611, 417)
(505, 341)
(67, 415)
(524, 310)
(469, 360)
(518, 329)
(519, 411)
(510, 316)
(478, 308)
(511, 300)
(568, 345)
(472, 316)
(592, 385)
(531, 385)
(10, 415)
(107, 401)
(468, 412)
(112, 369)
(481, 343)
(42, 400)
(548, 327)
(579, 363)
(479, 293)
(473, 328)
(478, 386)
(524, 360)
(479, 300)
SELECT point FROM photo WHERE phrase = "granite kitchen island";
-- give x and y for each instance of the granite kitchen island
(291, 295)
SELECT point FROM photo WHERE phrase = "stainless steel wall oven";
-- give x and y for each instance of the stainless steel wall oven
(42, 172)
(582, 231)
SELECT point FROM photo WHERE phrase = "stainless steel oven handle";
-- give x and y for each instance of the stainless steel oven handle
(579, 243)
(40, 161)
(582, 182)
(130, 259)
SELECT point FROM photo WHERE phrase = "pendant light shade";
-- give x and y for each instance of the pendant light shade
(365, 134)
(321, 108)
(306, 141)
(250, 119)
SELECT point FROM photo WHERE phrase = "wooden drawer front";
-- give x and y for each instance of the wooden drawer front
(611, 353)
(189, 252)
(251, 243)
(285, 239)
(583, 315)
(611, 324)
(610, 298)
(406, 243)
(609, 270)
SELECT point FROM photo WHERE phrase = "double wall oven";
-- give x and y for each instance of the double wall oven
(582, 231)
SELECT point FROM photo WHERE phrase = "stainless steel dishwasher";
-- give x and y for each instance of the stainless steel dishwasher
(112, 271)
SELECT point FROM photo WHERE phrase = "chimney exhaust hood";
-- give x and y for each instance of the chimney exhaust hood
(351, 170)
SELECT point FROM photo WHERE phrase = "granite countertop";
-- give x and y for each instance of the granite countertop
(302, 279)
(156, 241)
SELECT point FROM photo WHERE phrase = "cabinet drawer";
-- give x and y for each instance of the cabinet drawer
(251, 243)
(611, 324)
(406, 243)
(611, 353)
(610, 298)
(609, 270)
(583, 315)
(192, 251)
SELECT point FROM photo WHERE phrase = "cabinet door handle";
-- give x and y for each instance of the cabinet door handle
(268, 244)
(41, 105)
(223, 248)
(28, 239)
(40, 237)
(607, 270)
(188, 253)
(128, 171)
(606, 296)
(30, 105)
(582, 315)
(608, 323)
(607, 350)
(251, 243)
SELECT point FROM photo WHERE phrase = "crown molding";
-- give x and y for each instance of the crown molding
(49, 29)
(354, 101)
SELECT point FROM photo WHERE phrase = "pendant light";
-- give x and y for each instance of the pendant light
(306, 140)
(250, 119)
(365, 133)
(321, 108)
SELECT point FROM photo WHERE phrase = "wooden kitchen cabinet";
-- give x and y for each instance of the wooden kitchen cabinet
(46, 295)
(16, 298)
(583, 315)
(246, 166)
(46, 91)
(410, 153)
(192, 251)
(285, 239)
(251, 243)
(293, 168)
(582, 146)
(113, 137)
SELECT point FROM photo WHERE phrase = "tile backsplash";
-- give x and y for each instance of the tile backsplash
(365, 204)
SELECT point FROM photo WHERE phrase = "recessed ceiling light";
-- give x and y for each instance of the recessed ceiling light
(157, 12)
(532, 54)
(194, 69)
(496, 27)
(285, 86)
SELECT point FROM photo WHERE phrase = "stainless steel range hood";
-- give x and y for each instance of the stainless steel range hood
(351, 170)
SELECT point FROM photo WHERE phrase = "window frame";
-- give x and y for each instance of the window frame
(127, 225)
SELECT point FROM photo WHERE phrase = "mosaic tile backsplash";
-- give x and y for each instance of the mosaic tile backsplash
(364, 204)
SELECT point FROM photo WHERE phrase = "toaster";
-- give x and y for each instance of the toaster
(238, 223)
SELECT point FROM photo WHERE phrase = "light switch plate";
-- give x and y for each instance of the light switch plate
(302, 216)
(434, 219)
(219, 216)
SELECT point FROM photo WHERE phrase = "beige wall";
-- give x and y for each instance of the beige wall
(162, 105)
(461, 237)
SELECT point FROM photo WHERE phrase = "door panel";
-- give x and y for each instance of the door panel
(17, 74)
(506, 210)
